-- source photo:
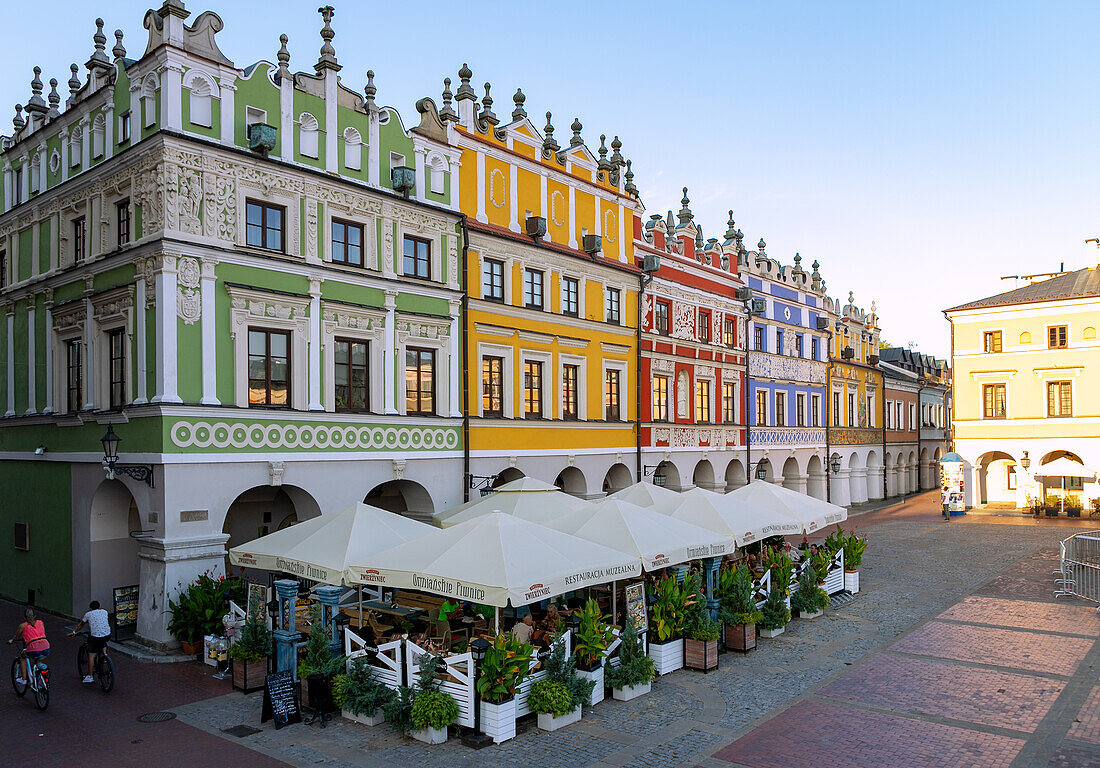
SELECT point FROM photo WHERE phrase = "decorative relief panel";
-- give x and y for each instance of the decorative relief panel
(188, 293)
(847, 436)
(718, 437)
(783, 368)
(662, 365)
(683, 321)
(779, 436)
(312, 436)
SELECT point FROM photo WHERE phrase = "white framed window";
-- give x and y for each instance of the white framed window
(287, 315)
(436, 170)
(815, 410)
(504, 353)
(351, 325)
(201, 87)
(149, 88)
(254, 115)
(308, 129)
(573, 372)
(76, 141)
(616, 390)
(98, 131)
(780, 409)
(353, 149)
(535, 384)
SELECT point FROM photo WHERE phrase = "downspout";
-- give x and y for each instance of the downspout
(465, 366)
(643, 281)
(884, 486)
(949, 424)
(828, 427)
(920, 426)
(745, 397)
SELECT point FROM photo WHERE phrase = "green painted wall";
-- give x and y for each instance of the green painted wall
(25, 245)
(44, 236)
(20, 356)
(259, 92)
(40, 353)
(39, 493)
(189, 360)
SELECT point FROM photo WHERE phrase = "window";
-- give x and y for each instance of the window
(611, 394)
(660, 317)
(1059, 398)
(264, 225)
(729, 402)
(17, 186)
(660, 398)
(813, 348)
(798, 345)
(532, 288)
(851, 409)
(704, 325)
(569, 296)
(702, 401)
(116, 348)
(268, 368)
(200, 102)
(532, 389)
(991, 341)
(347, 243)
(418, 258)
(419, 381)
(3, 269)
(80, 240)
(124, 127)
(570, 378)
(123, 212)
(897, 415)
(758, 339)
(74, 381)
(836, 409)
(1056, 337)
(435, 178)
(351, 372)
(889, 414)
(1011, 479)
(308, 132)
(353, 149)
(255, 115)
(492, 280)
(612, 301)
(870, 411)
(761, 408)
(779, 341)
(729, 335)
(800, 409)
(993, 401)
(492, 386)
(98, 134)
(912, 416)
(781, 409)
(815, 409)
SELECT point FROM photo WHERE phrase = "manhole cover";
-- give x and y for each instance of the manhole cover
(240, 731)
(156, 717)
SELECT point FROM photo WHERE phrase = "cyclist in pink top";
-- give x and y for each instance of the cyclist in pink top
(35, 645)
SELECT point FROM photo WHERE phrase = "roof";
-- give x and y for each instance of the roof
(1069, 285)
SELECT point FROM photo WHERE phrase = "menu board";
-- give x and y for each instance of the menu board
(281, 700)
(126, 606)
(635, 605)
(953, 486)
(257, 601)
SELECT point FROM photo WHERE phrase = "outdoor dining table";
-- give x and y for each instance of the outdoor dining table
(393, 610)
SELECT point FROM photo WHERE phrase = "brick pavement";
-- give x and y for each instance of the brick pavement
(1086, 726)
(1026, 614)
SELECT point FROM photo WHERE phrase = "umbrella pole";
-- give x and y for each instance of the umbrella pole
(360, 605)
(496, 619)
(1063, 495)
(614, 600)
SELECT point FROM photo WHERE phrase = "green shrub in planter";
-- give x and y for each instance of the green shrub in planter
(507, 663)
(774, 613)
(398, 711)
(433, 709)
(853, 551)
(666, 617)
(563, 669)
(359, 691)
(779, 563)
(198, 609)
(593, 635)
(549, 697)
(318, 658)
(635, 668)
(255, 642)
(810, 598)
(698, 625)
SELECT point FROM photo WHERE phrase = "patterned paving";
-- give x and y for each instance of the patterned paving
(1086, 727)
(1026, 614)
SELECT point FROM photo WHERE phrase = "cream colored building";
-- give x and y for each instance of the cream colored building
(1026, 388)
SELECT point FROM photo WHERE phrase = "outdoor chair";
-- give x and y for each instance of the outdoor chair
(380, 630)
(440, 632)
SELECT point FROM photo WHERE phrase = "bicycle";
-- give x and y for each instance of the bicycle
(104, 671)
(39, 680)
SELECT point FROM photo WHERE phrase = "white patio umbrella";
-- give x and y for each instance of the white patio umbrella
(814, 514)
(645, 495)
(321, 549)
(496, 559)
(742, 521)
(1065, 467)
(659, 540)
(525, 498)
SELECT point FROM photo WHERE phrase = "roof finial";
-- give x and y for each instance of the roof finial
(284, 57)
(731, 228)
(465, 90)
(446, 112)
(99, 59)
(37, 103)
(18, 120)
(369, 90)
(602, 163)
(328, 53)
(74, 80)
(616, 156)
(576, 141)
(851, 297)
(519, 112)
(760, 247)
(488, 117)
(798, 260)
(685, 214)
(629, 187)
(548, 143)
(119, 50)
(54, 98)
(699, 238)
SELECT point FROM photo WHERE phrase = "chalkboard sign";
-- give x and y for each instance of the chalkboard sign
(281, 700)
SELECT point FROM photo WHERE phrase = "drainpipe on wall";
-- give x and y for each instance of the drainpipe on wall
(828, 465)
(920, 426)
(643, 281)
(748, 380)
(465, 367)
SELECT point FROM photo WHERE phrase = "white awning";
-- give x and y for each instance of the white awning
(1065, 467)
(814, 514)
(525, 498)
(646, 495)
(731, 516)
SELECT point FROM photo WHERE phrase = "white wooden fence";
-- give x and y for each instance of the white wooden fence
(761, 587)
(611, 653)
(456, 679)
(386, 661)
(834, 579)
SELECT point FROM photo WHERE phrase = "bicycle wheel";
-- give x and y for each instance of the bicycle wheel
(41, 691)
(15, 670)
(82, 660)
(105, 671)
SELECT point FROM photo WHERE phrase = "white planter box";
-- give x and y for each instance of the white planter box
(376, 719)
(630, 692)
(498, 721)
(851, 581)
(668, 657)
(813, 615)
(430, 735)
(597, 692)
(769, 632)
(548, 722)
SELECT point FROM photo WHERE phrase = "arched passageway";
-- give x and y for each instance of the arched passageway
(114, 523)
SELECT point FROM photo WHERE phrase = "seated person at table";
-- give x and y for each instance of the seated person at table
(450, 610)
(524, 629)
(553, 622)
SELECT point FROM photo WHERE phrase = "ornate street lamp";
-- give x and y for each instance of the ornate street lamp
(834, 463)
(477, 739)
(1025, 461)
(143, 473)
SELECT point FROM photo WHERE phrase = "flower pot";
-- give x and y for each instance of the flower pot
(740, 637)
(376, 719)
(701, 654)
(597, 692)
(851, 581)
(430, 735)
(770, 632)
(249, 676)
(630, 692)
(667, 656)
(498, 721)
(189, 648)
(548, 722)
(809, 614)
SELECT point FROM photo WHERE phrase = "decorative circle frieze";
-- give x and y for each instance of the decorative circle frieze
(241, 435)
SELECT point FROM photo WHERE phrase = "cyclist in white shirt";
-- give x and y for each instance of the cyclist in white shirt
(99, 628)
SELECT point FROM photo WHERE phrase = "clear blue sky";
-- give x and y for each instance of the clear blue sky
(919, 151)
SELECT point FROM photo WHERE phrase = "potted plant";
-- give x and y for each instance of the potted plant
(854, 547)
(737, 610)
(506, 664)
(590, 643)
(779, 563)
(774, 614)
(666, 625)
(318, 661)
(1073, 505)
(810, 599)
(425, 721)
(633, 677)
(562, 668)
(249, 655)
(553, 704)
(359, 694)
(199, 607)
(701, 632)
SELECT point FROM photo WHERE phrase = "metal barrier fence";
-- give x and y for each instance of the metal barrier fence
(1078, 573)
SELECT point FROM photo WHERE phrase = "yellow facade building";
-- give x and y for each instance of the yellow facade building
(1026, 367)
(552, 315)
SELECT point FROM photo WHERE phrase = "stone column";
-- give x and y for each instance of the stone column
(453, 355)
(31, 393)
(167, 353)
(315, 345)
(329, 598)
(209, 335)
(840, 491)
(286, 634)
(141, 392)
(11, 360)
(228, 118)
(49, 351)
(165, 565)
(389, 354)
